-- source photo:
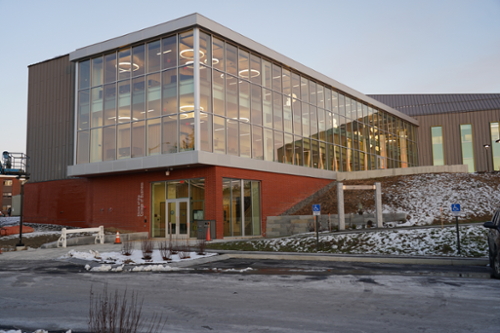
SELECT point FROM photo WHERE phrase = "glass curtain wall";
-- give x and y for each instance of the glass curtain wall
(241, 205)
(139, 101)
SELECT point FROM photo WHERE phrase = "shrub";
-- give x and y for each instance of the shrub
(118, 313)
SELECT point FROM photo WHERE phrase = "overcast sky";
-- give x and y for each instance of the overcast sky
(373, 46)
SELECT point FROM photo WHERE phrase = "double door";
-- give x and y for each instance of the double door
(178, 222)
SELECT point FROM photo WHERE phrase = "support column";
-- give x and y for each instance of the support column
(340, 205)
(378, 205)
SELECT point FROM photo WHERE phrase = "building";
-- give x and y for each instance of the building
(190, 121)
(10, 187)
(454, 128)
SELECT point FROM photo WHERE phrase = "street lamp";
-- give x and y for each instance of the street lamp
(487, 146)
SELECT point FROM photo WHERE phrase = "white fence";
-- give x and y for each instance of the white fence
(98, 237)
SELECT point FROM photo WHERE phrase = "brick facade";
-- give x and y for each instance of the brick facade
(123, 201)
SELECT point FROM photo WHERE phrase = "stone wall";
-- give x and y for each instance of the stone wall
(287, 225)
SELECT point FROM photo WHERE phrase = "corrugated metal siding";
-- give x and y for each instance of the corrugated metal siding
(480, 121)
(427, 104)
(50, 118)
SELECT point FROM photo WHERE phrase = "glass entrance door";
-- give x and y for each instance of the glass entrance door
(178, 217)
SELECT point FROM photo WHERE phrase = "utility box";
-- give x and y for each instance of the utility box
(203, 226)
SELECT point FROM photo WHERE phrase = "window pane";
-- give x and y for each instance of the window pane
(232, 137)
(109, 143)
(277, 111)
(170, 92)
(288, 145)
(268, 145)
(186, 51)
(304, 90)
(287, 115)
(205, 49)
(218, 51)
(298, 151)
(312, 93)
(244, 101)
(138, 139)
(276, 78)
(110, 104)
(154, 137)
(84, 74)
(82, 149)
(138, 55)
(154, 56)
(278, 147)
(96, 145)
(255, 69)
(186, 89)
(467, 146)
(169, 52)
(205, 89)
(287, 82)
(206, 131)
(267, 74)
(124, 64)
(257, 148)
(124, 101)
(219, 91)
(245, 142)
(297, 117)
(219, 135)
(231, 97)
(231, 59)
(96, 106)
(256, 105)
(83, 109)
(169, 135)
(267, 107)
(97, 72)
(110, 68)
(244, 65)
(306, 131)
(123, 141)
(186, 131)
(138, 99)
(153, 108)
(495, 135)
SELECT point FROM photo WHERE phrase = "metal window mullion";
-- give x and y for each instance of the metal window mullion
(196, 78)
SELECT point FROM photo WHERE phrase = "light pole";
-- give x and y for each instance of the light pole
(487, 147)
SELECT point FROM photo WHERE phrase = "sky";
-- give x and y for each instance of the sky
(372, 46)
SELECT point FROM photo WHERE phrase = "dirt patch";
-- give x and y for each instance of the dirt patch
(32, 242)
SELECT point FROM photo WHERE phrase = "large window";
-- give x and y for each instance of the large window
(241, 205)
(189, 195)
(140, 101)
(495, 136)
(467, 146)
(437, 145)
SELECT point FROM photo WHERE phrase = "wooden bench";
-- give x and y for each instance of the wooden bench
(99, 236)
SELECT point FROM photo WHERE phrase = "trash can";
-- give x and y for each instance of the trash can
(205, 226)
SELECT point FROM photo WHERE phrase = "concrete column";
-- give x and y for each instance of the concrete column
(340, 205)
(378, 205)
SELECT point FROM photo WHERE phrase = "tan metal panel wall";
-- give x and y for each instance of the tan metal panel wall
(450, 122)
(50, 122)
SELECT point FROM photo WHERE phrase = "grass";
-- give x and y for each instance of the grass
(432, 241)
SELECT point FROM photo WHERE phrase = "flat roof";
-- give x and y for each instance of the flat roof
(203, 22)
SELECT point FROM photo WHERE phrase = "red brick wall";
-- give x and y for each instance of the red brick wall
(60, 202)
(114, 201)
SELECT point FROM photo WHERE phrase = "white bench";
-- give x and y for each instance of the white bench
(99, 236)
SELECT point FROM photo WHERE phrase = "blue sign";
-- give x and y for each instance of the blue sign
(455, 209)
(317, 209)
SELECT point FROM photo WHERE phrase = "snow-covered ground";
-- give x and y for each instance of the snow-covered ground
(116, 261)
(428, 197)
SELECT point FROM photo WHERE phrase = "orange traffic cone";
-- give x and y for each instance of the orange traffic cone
(117, 238)
(208, 238)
